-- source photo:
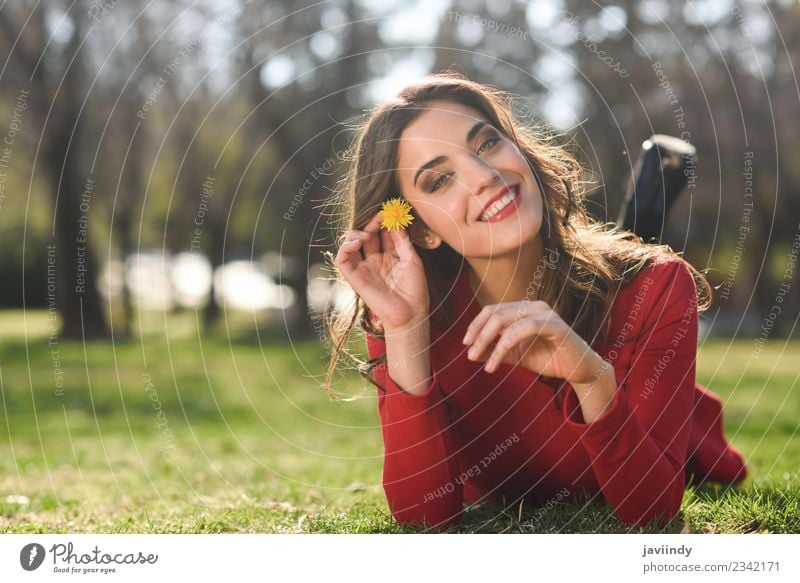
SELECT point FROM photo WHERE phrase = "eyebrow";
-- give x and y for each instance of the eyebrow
(439, 159)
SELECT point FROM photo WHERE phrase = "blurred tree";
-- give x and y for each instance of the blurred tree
(44, 43)
(123, 75)
(150, 99)
(324, 47)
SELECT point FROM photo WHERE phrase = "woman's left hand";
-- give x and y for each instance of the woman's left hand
(532, 335)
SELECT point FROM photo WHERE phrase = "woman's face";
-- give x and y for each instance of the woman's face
(459, 172)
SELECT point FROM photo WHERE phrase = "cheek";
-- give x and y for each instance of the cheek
(510, 155)
(537, 196)
(443, 217)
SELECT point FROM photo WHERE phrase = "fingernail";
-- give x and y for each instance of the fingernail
(471, 353)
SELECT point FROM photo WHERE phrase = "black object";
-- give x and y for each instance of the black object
(662, 171)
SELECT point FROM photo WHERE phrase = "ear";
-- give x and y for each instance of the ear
(422, 237)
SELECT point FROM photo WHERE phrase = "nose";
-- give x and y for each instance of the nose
(481, 175)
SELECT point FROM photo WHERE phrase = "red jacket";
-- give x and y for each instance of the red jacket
(477, 436)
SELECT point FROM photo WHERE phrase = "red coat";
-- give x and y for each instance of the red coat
(476, 436)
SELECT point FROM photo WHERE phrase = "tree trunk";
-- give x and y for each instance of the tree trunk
(215, 252)
(77, 298)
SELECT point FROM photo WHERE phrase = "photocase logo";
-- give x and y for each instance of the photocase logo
(31, 556)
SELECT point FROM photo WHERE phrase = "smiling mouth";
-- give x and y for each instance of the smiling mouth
(496, 207)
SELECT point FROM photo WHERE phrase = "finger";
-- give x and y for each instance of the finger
(402, 245)
(523, 309)
(369, 242)
(480, 321)
(527, 329)
(387, 244)
(354, 234)
(372, 244)
(362, 236)
(491, 324)
(374, 223)
(485, 353)
(348, 256)
(477, 323)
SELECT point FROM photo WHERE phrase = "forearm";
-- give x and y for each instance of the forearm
(596, 396)
(408, 357)
(419, 471)
(639, 477)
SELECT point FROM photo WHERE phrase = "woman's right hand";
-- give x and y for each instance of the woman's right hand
(390, 277)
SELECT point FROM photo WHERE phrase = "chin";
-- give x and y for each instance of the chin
(511, 244)
(527, 230)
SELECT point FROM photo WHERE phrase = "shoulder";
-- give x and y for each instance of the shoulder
(662, 274)
(663, 291)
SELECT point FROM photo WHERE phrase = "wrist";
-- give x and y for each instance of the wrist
(603, 376)
(597, 395)
(416, 327)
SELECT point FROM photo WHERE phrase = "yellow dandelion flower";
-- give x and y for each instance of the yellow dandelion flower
(396, 214)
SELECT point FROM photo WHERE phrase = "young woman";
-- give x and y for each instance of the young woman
(519, 349)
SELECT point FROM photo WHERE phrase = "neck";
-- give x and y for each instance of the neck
(509, 277)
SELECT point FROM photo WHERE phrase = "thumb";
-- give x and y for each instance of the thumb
(403, 246)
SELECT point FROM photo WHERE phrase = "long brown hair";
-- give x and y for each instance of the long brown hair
(587, 261)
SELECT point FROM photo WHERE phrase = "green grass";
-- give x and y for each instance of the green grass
(250, 443)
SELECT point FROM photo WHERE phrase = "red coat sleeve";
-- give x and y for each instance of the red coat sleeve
(638, 446)
(420, 476)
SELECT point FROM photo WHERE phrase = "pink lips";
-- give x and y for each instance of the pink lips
(510, 207)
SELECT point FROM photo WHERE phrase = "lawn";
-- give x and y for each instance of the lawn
(232, 432)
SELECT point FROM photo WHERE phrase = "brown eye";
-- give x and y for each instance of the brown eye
(488, 144)
(440, 181)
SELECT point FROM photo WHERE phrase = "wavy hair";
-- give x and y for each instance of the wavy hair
(587, 261)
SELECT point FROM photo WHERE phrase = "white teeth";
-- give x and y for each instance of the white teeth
(498, 206)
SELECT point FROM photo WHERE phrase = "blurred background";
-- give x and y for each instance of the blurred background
(186, 148)
(165, 165)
